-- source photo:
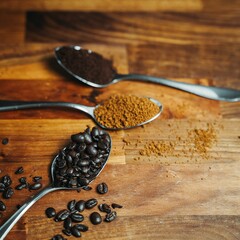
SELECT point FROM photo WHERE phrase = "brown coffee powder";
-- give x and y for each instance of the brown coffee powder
(123, 111)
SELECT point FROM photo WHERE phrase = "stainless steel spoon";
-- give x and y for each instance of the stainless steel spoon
(53, 186)
(215, 93)
(7, 105)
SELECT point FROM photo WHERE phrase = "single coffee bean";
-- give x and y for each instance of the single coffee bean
(95, 218)
(50, 212)
(81, 227)
(91, 203)
(22, 180)
(110, 216)
(67, 232)
(71, 205)
(75, 232)
(21, 186)
(78, 138)
(37, 179)
(62, 215)
(104, 208)
(35, 186)
(58, 237)
(87, 188)
(77, 217)
(8, 193)
(5, 141)
(2, 206)
(87, 138)
(91, 150)
(81, 147)
(19, 170)
(102, 188)
(67, 223)
(115, 205)
(80, 206)
(2, 187)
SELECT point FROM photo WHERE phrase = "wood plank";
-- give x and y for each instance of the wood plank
(102, 5)
(129, 28)
(12, 27)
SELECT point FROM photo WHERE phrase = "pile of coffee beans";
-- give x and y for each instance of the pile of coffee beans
(7, 189)
(82, 160)
(72, 216)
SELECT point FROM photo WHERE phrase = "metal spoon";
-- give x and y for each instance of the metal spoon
(53, 186)
(215, 93)
(7, 105)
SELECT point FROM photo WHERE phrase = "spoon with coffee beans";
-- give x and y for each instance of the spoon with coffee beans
(92, 69)
(75, 167)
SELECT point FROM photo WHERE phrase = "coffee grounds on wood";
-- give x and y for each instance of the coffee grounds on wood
(87, 65)
(123, 111)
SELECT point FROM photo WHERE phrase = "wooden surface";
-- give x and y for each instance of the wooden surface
(178, 194)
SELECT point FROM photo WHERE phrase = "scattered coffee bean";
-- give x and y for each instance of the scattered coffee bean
(80, 205)
(102, 188)
(81, 227)
(110, 216)
(19, 170)
(8, 193)
(22, 180)
(67, 223)
(37, 178)
(21, 186)
(95, 218)
(6, 180)
(62, 215)
(77, 217)
(58, 237)
(91, 203)
(104, 208)
(67, 232)
(75, 232)
(87, 188)
(35, 186)
(71, 205)
(2, 187)
(5, 141)
(50, 212)
(115, 205)
(2, 206)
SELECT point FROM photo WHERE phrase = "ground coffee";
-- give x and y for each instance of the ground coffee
(87, 64)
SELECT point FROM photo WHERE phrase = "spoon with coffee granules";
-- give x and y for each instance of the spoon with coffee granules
(75, 166)
(94, 70)
(119, 112)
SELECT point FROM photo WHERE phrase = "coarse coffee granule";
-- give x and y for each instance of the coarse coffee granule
(123, 111)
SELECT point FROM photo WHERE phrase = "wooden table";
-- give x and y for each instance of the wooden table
(181, 193)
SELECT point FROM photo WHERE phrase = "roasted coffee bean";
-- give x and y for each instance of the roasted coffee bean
(21, 186)
(91, 203)
(62, 215)
(102, 188)
(58, 237)
(115, 205)
(110, 216)
(61, 163)
(2, 187)
(37, 178)
(95, 133)
(72, 154)
(67, 223)
(5, 141)
(67, 232)
(8, 193)
(87, 138)
(91, 150)
(95, 218)
(19, 170)
(22, 180)
(81, 227)
(77, 217)
(50, 212)
(104, 208)
(81, 147)
(78, 138)
(35, 186)
(75, 232)
(6, 180)
(2, 206)
(71, 205)
(82, 182)
(80, 206)
(83, 163)
(87, 188)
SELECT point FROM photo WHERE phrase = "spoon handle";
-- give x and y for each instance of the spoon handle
(7, 105)
(215, 93)
(8, 225)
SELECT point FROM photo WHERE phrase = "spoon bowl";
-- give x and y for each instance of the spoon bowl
(8, 105)
(103, 74)
(56, 183)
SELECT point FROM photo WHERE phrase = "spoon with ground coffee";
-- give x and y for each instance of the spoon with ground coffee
(94, 70)
(75, 167)
(116, 113)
